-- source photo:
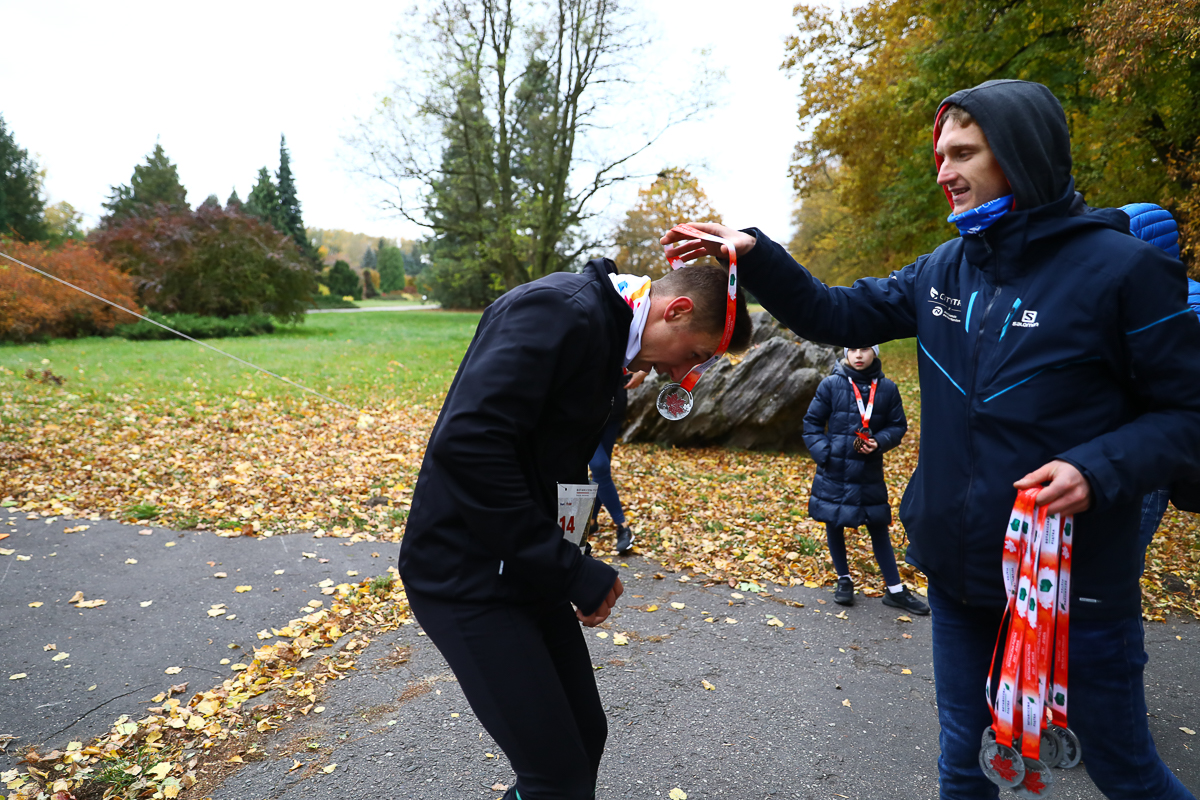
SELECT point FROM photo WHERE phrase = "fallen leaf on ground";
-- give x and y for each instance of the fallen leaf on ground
(652, 608)
(731, 621)
(677, 606)
(242, 589)
(36, 604)
(1188, 731)
(904, 618)
(173, 670)
(677, 794)
(499, 787)
(220, 575)
(602, 634)
(61, 656)
(620, 639)
(50, 647)
(18, 676)
(145, 603)
(707, 685)
(846, 703)
(131, 561)
(906, 672)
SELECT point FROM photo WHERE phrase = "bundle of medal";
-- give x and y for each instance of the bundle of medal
(675, 400)
(1021, 746)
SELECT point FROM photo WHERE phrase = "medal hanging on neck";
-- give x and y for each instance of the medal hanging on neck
(675, 400)
(862, 436)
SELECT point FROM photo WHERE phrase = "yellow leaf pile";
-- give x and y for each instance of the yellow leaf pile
(151, 749)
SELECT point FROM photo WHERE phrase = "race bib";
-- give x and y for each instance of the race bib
(575, 502)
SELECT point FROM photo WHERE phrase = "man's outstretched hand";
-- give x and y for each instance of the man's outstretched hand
(601, 613)
(693, 249)
(1068, 491)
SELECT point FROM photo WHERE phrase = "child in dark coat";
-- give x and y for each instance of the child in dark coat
(856, 417)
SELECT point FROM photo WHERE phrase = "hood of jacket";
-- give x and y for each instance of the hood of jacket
(1027, 130)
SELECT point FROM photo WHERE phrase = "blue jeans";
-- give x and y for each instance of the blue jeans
(1107, 708)
(601, 466)
(1154, 505)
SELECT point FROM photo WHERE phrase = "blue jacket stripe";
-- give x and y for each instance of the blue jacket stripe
(1152, 324)
(1039, 372)
(1004, 328)
(970, 305)
(939, 366)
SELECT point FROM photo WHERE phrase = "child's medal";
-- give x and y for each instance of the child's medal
(675, 400)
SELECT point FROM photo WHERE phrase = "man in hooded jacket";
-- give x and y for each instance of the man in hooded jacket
(1053, 348)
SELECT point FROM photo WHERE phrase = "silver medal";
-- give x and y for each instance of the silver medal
(1050, 748)
(1002, 765)
(674, 402)
(1070, 751)
(1037, 783)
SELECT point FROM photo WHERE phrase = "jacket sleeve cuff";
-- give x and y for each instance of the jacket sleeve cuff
(1100, 498)
(591, 585)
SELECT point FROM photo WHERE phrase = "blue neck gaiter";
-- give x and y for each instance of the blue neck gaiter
(982, 216)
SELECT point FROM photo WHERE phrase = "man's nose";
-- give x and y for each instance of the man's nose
(680, 372)
(946, 174)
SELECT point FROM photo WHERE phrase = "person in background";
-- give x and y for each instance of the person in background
(855, 417)
(1154, 224)
(601, 467)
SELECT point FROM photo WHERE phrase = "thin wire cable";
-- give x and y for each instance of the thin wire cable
(183, 335)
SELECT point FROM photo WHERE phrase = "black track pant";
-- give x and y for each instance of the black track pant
(527, 674)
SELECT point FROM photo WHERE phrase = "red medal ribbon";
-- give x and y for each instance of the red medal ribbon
(689, 380)
(864, 411)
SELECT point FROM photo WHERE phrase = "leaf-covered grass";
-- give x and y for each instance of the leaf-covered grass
(205, 443)
(360, 359)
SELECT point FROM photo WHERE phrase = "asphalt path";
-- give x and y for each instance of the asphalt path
(826, 703)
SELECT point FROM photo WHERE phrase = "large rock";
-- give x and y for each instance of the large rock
(757, 404)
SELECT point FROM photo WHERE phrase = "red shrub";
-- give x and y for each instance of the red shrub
(33, 306)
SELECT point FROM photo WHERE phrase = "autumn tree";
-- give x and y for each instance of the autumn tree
(21, 203)
(675, 196)
(872, 77)
(211, 262)
(154, 188)
(63, 223)
(488, 121)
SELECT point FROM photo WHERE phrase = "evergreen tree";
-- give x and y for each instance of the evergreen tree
(22, 210)
(263, 202)
(234, 203)
(155, 182)
(343, 281)
(369, 259)
(288, 201)
(391, 268)
(212, 201)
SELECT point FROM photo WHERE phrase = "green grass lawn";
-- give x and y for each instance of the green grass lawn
(384, 303)
(359, 359)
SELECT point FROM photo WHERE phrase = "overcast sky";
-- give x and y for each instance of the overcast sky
(87, 87)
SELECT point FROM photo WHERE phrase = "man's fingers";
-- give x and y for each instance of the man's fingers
(1037, 477)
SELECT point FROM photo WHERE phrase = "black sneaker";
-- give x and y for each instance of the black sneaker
(843, 595)
(906, 600)
(624, 539)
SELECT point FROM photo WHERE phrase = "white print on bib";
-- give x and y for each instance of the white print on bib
(575, 502)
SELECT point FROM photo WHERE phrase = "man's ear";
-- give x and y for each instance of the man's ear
(679, 309)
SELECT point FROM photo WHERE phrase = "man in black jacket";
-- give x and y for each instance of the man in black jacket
(1054, 349)
(488, 572)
